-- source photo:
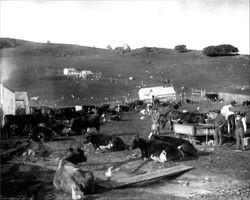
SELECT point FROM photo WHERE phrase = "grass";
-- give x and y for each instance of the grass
(24, 68)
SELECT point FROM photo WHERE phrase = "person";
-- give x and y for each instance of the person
(226, 110)
(218, 121)
(240, 130)
(156, 122)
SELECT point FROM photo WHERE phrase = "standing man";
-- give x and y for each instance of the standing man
(240, 130)
(218, 121)
(156, 122)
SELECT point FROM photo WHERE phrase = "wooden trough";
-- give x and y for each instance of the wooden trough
(144, 178)
(194, 129)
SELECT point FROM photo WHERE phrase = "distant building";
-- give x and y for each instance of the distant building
(87, 74)
(71, 72)
(7, 103)
(22, 103)
(160, 92)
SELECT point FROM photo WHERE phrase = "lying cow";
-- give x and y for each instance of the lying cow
(155, 147)
(105, 140)
(76, 156)
(185, 146)
(72, 180)
(41, 132)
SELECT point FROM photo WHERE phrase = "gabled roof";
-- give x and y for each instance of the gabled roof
(7, 87)
(156, 91)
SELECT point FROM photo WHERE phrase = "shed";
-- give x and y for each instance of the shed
(71, 72)
(22, 103)
(7, 102)
(160, 92)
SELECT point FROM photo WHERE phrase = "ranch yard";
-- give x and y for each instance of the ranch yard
(218, 172)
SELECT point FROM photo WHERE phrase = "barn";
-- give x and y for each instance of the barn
(22, 103)
(160, 92)
(7, 102)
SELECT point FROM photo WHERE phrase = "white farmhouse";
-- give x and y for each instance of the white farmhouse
(87, 74)
(71, 72)
(160, 92)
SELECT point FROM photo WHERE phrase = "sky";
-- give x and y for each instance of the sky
(138, 23)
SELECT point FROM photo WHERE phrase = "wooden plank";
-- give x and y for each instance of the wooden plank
(151, 176)
(15, 149)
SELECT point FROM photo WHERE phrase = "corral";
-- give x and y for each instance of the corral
(219, 172)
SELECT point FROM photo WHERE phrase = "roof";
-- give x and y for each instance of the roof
(71, 69)
(156, 91)
(21, 96)
(7, 87)
(87, 71)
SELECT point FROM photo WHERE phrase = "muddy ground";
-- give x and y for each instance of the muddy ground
(218, 173)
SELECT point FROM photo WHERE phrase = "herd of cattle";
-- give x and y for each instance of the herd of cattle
(46, 123)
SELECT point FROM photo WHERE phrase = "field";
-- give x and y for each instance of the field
(219, 172)
(30, 66)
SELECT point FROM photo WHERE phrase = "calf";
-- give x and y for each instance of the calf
(104, 140)
(76, 156)
(155, 147)
(71, 179)
(40, 133)
(185, 146)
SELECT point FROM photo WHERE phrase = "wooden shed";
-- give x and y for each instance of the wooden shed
(22, 103)
(228, 97)
(7, 102)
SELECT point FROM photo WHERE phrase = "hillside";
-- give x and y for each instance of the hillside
(37, 68)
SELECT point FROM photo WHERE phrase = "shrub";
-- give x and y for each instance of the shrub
(220, 50)
(181, 48)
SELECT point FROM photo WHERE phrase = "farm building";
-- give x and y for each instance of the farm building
(228, 97)
(7, 102)
(22, 103)
(160, 92)
(71, 72)
(87, 74)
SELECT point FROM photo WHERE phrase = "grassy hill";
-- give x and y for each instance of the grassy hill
(37, 68)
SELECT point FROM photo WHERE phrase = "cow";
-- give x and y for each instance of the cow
(104, 140)
(212, 97)
(76, 156)
(42, 132)
(73, 180)
(246, 103)
(79, 125)
(185, 146)
(155, 147)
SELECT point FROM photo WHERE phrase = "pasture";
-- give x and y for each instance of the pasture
(219, 172)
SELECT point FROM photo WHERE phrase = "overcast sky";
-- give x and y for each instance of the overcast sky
(195, 23)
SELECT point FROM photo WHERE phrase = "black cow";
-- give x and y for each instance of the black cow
(185, 146)
(246, 103)
(155, 147)
(76, 156)
(42, 132)
(79, 125)
(212, 97)
(20, 121)
(103, 140)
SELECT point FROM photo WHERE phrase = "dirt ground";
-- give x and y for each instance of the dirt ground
(218, 173)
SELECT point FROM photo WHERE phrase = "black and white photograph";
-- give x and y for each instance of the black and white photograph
(124, 99)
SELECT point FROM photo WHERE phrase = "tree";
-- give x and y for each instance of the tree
(220, 50)
(109, 47)
(181, 48)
